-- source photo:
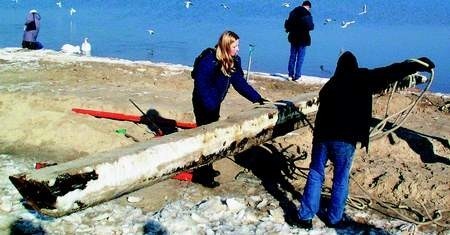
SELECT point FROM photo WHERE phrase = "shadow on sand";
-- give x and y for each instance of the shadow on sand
(275, 167)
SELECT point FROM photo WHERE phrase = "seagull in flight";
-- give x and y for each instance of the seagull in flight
(364, 11)
(286, 4)
(345, 24)
(225, 6)
(328, 20)
(187, 4)
(72, 11)
(59, 4)
(150, 31)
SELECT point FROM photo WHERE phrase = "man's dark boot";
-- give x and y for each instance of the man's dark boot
(305, 224)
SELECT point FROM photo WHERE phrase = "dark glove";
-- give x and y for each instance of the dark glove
(422, 67)
(261, 101)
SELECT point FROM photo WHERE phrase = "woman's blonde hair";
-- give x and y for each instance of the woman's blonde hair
(222, 52)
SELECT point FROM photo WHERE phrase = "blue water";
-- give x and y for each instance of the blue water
(391, 31)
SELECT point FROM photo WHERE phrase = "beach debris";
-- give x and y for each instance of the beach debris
(78, 184)
(121, 131)
(43, 164)
(134, 199)
(445, 108)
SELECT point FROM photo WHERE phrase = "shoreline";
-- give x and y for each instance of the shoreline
(12, 54)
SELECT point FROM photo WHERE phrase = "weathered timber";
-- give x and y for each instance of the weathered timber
(68, 187)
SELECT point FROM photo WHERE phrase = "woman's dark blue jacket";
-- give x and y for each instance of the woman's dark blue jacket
(211, 85)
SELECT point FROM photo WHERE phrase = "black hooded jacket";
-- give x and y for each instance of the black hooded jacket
(345, 108)
(298, 25)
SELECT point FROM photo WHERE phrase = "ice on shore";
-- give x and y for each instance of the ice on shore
(258, 214)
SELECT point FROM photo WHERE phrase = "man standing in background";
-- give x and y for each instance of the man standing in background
(298, 25)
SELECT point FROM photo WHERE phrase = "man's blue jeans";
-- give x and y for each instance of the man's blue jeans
(296, 61)
(341, 155)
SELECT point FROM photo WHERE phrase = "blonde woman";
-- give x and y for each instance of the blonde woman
(213, 73)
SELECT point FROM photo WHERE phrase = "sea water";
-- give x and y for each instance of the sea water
(168, 31)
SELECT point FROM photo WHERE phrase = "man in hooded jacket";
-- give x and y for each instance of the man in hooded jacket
(298, 25)
(342, 120)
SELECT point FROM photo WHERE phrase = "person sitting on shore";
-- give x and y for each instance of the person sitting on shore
(31, 31)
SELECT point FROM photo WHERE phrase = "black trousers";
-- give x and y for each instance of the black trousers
(31, 45)
(204, 117)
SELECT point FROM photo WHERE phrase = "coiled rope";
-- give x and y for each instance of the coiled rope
(363, 202)
(400, 117)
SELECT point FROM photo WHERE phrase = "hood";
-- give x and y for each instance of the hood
(347, 63)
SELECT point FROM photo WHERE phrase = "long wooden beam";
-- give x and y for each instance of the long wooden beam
(71, 186)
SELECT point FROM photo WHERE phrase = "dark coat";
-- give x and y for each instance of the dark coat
(345, 107)
(298, 25)
(211, 85)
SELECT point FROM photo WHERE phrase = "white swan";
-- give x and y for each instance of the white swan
(70, 49)
(86, 47)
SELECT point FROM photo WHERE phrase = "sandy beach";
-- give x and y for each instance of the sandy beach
(39, 89)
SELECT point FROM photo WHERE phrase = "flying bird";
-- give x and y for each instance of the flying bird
(328, 20)
(187, 4)
(72, 11)
(286, 4)
(150, 31)
(59, 4)
(225, 6)
(364, 11)
(345, 24)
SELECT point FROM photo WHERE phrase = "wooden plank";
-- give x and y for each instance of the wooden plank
(71, 186)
